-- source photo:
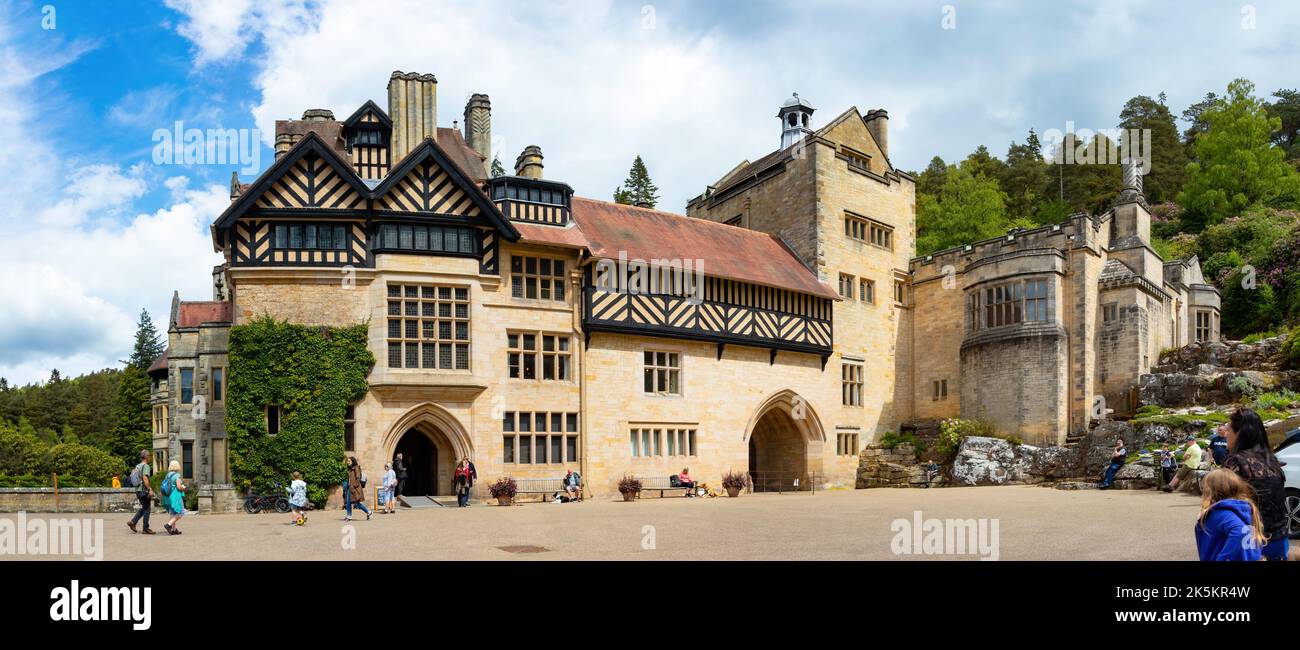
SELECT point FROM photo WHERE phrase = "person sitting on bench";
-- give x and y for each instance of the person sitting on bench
(684, 480)
(573, 485)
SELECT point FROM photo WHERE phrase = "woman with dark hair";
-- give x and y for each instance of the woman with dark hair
(354, 488)
(1250, 457)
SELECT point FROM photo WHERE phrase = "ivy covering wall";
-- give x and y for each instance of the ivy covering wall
(312, 374)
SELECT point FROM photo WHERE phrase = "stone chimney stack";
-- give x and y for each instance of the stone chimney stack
(878, 124)
(283, 143)
(317, 115)
(413, 107)
(478, 128)
(529, 162)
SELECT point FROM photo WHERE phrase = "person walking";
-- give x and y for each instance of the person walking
(399, 469)
(143, 492)
(1250, 458)
(464, 480)
(173, 491)
(298, 498)
(1116, 462)
(386, 496)
(1191, 463)
(1228, 528)
(354, 489)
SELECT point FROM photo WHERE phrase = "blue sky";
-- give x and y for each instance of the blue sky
(95, 230)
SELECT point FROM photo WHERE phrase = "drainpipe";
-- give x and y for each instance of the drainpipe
(579, 297)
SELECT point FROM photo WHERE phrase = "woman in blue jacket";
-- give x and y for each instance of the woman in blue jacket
(1229, 528)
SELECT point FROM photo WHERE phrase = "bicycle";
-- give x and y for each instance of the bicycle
(256, 503)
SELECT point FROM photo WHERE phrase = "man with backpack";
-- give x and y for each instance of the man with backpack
(139, 479)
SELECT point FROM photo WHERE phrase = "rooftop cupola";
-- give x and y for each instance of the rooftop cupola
(796, 120)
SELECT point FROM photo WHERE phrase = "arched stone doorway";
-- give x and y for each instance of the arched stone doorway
(785, 441)
(422, 457)
(430, 440)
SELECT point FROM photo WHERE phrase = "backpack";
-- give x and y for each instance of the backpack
(166, 488)
(136, 477)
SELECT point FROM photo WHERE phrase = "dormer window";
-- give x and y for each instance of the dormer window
(367, 137)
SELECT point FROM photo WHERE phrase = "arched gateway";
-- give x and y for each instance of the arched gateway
(430, 440)
(785, 440)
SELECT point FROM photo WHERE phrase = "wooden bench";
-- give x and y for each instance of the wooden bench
(546, 486)
(661, 484)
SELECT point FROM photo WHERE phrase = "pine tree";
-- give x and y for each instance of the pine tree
(497, 168)
(1197, 124)
(637, 189)
(148, 344)
(1025, 178)
(1168, 158)
(983, 163)
(1287, 109)
(931, 180)
(132, 418)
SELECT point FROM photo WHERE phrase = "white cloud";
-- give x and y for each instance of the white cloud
(143, 107)
(699, 91)
(222, 30)
(78, 262)
(583, 80)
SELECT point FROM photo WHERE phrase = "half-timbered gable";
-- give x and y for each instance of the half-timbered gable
(428, 204)
(368, 133)
(307, 209)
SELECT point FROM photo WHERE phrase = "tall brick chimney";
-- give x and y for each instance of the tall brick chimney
(413, 107)
(478, 128)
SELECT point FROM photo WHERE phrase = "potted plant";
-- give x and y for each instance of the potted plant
(733, 482)
(504, 489)
(629, 487)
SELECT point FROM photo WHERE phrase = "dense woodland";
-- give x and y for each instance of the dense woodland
(85, 429)
(1225, 187)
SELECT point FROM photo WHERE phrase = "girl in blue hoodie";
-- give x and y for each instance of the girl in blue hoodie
(1229, 528)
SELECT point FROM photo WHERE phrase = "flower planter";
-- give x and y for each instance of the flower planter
(503, 500)
(733, 491)
(629, 496)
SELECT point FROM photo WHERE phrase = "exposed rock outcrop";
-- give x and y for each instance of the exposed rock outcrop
(1216, 373)
(897, 467)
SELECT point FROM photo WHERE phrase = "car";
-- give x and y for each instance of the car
(1288, 452)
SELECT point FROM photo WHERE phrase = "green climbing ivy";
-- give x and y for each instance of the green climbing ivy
(312, 374)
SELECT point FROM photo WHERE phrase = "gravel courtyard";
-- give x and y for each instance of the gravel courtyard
(1033, 523)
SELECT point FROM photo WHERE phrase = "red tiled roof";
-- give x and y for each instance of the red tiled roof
(193, 314)
(469, 160)
(570, 237)
(727, 251)
(159, 364)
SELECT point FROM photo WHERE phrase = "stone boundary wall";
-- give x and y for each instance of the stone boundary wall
(94, 499)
